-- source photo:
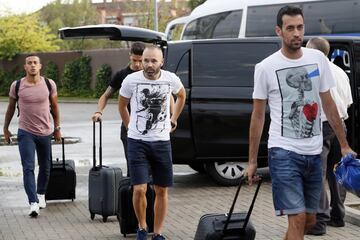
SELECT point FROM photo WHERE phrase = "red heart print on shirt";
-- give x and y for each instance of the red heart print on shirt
(310, 111)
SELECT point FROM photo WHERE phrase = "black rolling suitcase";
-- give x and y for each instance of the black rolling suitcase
(232, 226)
(126, 214)
(62, 181)
(103, 185)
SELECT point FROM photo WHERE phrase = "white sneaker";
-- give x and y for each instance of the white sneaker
(34, 209)
(42, 202)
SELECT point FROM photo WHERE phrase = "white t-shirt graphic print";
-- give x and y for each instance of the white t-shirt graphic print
(150, 104)
(292, 88)
(300, 101)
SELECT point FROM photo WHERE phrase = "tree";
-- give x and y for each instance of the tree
(24, 33)
(71, 13)
(194, 3)
(145, 13)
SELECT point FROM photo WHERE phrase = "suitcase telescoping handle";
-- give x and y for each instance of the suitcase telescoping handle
(250, 208)
(63, 154)
(100, 145)
(63, 151)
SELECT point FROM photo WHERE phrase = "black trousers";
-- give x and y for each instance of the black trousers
(331, 155)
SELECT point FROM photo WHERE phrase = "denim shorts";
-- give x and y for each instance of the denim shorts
(155, 155)
(296, 181)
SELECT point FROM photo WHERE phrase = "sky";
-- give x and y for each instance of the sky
(21, 6)
(8, 7)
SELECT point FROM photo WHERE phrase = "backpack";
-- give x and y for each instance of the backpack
(17, 87)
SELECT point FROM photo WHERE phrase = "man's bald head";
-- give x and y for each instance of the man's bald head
(319, 43)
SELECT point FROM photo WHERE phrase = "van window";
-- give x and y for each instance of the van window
(175, 32)
(261, 20)
(326, 17)
(336, 17)
(221, 25)
(228, 64)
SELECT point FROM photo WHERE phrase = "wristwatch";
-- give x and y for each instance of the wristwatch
(57, 128)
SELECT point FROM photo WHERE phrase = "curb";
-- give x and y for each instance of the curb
(352, 215)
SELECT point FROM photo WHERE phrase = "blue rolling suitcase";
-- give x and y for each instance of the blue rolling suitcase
(232, 226)
(103, 185)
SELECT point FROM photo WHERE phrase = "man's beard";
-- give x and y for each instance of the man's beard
(151, 73)
(294, 47)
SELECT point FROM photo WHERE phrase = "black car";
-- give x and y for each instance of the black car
(213, 129)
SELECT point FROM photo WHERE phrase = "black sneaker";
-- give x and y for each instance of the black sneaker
(141, 234)
(336, 223)
(316, 232)
(158, 237)
(318, 229)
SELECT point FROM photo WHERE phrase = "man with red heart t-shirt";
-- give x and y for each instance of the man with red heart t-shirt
(295, 82)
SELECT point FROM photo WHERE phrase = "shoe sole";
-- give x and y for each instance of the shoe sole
(33, 214)
(316, 234)
(336, 225)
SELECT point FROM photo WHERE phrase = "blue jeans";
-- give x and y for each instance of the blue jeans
(296, 181)
(28, 143)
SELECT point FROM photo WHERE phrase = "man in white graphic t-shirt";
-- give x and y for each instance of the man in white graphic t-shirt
(295, 81)
(149, 125)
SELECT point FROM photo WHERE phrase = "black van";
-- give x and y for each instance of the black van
(213, 129)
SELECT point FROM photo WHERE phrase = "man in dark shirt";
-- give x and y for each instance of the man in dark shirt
(135, 65)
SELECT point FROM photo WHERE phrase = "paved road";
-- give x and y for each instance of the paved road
(75, 122)
(192, 196)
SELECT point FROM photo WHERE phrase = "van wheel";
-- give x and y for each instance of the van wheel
(199, 167)
(226, 173)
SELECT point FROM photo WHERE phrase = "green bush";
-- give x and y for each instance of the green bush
(77, 77)
(5, 82)
(103, 78)
(6, 78)
(51, 71)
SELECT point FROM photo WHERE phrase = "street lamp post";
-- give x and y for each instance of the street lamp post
(155, 16)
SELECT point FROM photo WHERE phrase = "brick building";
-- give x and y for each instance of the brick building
(128, 12)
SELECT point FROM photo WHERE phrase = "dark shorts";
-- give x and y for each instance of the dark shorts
(156, 155)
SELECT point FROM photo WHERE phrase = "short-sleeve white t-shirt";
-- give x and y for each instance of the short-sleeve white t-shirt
(341, 94)
(292, 88)
(150, 104)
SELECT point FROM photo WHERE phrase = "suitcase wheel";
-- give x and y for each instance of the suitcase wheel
(92, 216)
(105, 218)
